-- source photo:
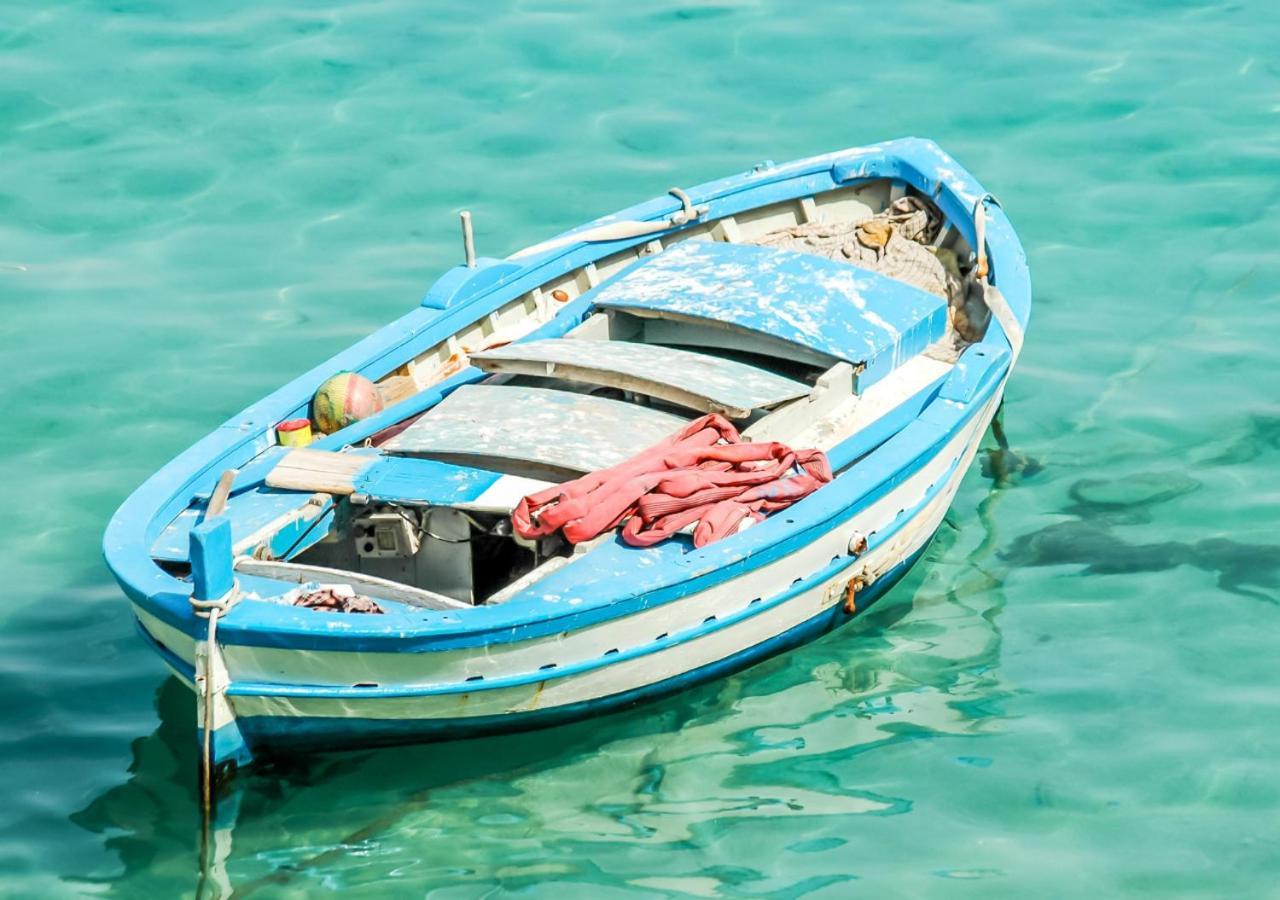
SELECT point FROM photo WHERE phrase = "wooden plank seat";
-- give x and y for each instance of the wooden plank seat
(825, 311)
(696, 380)
(551, 433)
(405, 480)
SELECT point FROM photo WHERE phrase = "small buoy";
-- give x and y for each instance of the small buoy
(343, 400)
(294, 433)
(559, 295)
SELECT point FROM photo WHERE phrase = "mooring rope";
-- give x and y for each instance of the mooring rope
(212, 610)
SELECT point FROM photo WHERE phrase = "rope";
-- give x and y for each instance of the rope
(898, 241)
(211, 610)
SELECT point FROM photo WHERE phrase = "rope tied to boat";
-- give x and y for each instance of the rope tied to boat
(212, 611)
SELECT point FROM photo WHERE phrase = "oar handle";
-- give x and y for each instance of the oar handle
(218, 499)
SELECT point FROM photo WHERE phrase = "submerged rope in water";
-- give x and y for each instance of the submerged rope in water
(212, 610)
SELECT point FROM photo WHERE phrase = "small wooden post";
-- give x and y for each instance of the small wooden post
(212, 573)
(468, 241)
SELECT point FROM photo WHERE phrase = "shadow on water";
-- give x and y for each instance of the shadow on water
(1090, 538)
(1004, 465)
(1260, 434)
(618, 800)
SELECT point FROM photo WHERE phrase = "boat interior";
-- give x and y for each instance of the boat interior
(736, 316)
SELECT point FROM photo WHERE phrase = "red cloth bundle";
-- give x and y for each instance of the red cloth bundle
(703, 473)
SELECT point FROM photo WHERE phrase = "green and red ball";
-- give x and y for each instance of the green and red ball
(343, 400)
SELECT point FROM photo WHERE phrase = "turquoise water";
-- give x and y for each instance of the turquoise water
(1072, 695)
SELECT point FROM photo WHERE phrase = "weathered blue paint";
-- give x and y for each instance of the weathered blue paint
(251, 475)
(885, 456)
(212, 574)
(247, 512)
(461, 283)
(836, 309)
(424, 482)
(979, 367)
(229, 744)
(301, 533)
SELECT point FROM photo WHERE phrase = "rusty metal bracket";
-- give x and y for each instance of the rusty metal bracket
(851, 589)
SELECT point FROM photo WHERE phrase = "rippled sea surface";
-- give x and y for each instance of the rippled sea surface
(1073, 694)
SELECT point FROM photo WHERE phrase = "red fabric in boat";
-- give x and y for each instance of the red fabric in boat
(703, 473)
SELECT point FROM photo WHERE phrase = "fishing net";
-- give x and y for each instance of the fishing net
(898, 243)
(339, 598)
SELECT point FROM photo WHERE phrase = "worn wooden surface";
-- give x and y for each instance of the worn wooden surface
(548, 428)
(319, 470)
(697, 380)
(830, 307)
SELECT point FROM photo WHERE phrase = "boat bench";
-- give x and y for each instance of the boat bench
(550, 433)
(802, 305)
(696, 380)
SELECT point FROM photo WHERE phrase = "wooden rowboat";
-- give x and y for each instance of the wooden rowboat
(869, 303)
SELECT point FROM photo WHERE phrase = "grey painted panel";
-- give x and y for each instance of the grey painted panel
(557, 429)
(705, 382)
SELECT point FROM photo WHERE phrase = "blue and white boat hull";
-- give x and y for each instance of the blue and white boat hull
(619, 625)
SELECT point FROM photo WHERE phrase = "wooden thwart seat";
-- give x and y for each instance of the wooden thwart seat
(547, 431)
(403, 480)
(696, 380)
